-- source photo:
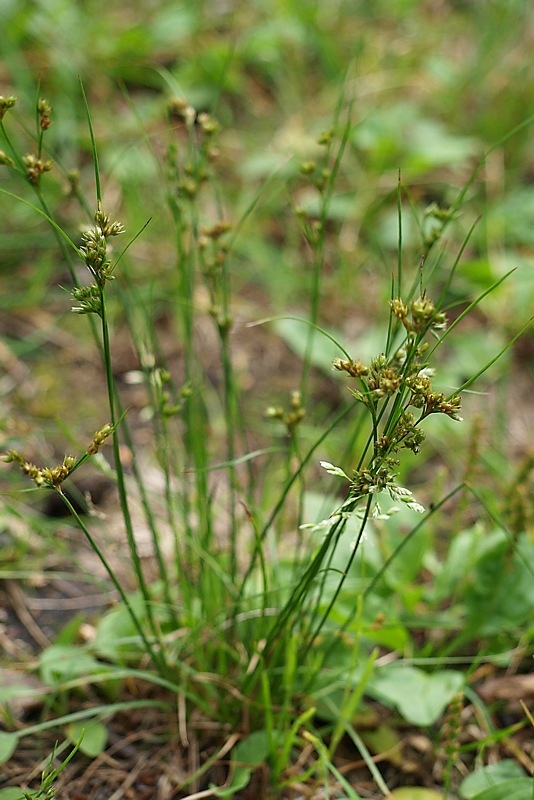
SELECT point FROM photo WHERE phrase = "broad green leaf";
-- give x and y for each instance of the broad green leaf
(416, 793)
(390, 634)
(485, 777)
(419, 697)
(8, 745)
(263, 165)
(240, 779)
(11, 793)
(398, 136)
(253, 750)
(116, 637)
(461, 556)
(91, 735)
(379, 624)
(70, 631)
(518, 789)
(500, 594)
(60, 663)
(512, 216)
(340, 207)
(249, 753)
(430, 144)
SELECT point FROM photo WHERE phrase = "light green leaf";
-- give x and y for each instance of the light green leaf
(60, 663)
(91, 735)
(518, 789)
(70, 631)
(11, 793)
(419, 697)
(249, 753)
(416, 793)
(240, 779)
(253, 750)
(498, 599)
(485, 777)
(116, 636)
(8, 745)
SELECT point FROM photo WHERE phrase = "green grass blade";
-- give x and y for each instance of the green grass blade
(494, 359)
(93, 147)
(42, 214)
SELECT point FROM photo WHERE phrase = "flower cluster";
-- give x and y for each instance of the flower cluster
(382, 378)
(53, 477)
(43, 476)
(95, 253)
(88, 298)
(99, 438)
(189, 175)
(289, 418)
(5, 104)
(432, 402)
(353, 368)
(35, 164)
(404, 374)
(365, 482)
(106, 227)
(436, 219)
(368, 481)
(44, 110)
(388, 387)
(35, 167)
(5, 160)
(419, 315)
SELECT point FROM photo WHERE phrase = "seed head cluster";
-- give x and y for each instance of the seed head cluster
(34, 164)
(44, 111)
(187, 175)
(291, 417)
(390, 387)
(35, 167)
(53, 477)
(95, 254)
(419, 315)
(5, 104)
(42, 476)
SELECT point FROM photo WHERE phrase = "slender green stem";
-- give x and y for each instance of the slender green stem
(310, 640)
(399, 241)
(156, 657)
(151, 522)
(93, 147)
(283, 494)
(381, 572)
(293, 606)
(121, 485)
(318, 245)
(230, 415)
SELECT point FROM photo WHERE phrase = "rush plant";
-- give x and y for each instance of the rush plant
(226, 627)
